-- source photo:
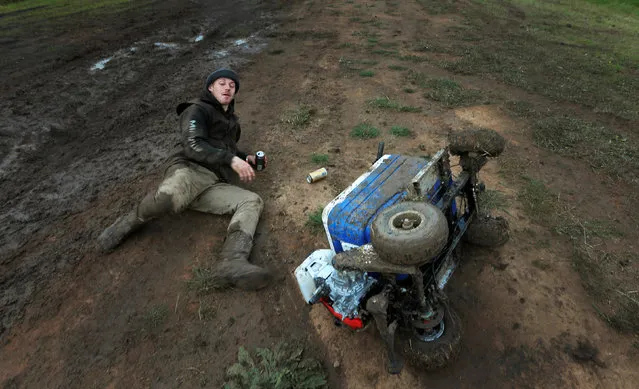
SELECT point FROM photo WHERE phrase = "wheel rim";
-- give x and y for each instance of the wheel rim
(432, 334)
(406, 221)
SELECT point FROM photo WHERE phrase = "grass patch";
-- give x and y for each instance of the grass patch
(401, 131)
(542, 265)
(538, 202)
(202, 280)
(384, 52)
(490, 200)
(596, 145)
(612, 279)
(412, 58)
(598, 42)
(314, 221)
(450, 93)
(387, 103)
(409, 90)
(156, 316)
(298, 117)
(319, 159)
(522, 109)
(397, 67)
(282, 367)
(276, 52)
(612, 285)
(46, 16)
(348, 64)
(366, 73)
(437, 7)
(364, 131)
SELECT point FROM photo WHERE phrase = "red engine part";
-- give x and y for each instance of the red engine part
(355, 323)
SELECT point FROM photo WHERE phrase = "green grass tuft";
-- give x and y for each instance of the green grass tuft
(320, 159)
(282, 367)
(364, 131)
(538, 202)
(156, 316)
(542, 265)
(298, 117)
(202, 280)
(385, 53)
(387, 103)
(490, 200)
(401, 131)
(397, 67)
(314, 221)
(366, 73)
(450, 93)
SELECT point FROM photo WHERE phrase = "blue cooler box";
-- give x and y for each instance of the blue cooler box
(347, 219)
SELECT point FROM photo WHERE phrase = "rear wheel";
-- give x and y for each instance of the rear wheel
(482, 141)
(433, 348)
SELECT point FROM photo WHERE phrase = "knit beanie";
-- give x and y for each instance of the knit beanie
(223, 73)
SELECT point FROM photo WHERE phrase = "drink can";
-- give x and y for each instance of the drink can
(316, 175)
(259, 161)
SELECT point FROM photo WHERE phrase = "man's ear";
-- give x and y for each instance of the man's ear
(210, 88)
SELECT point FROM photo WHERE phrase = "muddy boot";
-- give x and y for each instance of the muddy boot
(115, 234)
(235, 270)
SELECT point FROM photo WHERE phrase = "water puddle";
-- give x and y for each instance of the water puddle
(163, 45)
(235, 48)
(251, 45)
(101, 64)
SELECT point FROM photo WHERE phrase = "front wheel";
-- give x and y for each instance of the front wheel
(434, 352)
(409, 233)
(488, 231)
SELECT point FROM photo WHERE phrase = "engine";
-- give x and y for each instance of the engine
(340, 291)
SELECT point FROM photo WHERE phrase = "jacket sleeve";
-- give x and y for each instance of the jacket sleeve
(239, 153)
(195, 138)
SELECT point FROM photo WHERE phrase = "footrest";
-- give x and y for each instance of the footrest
(365, 258)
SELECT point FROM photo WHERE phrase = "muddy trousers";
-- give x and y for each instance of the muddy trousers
(191, 186)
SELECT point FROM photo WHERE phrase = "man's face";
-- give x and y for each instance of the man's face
(223, 89)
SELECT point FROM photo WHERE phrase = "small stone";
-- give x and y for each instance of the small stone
(336, 364)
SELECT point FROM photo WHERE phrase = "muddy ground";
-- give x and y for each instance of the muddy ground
(80, 145)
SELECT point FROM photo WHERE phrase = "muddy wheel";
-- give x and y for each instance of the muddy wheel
(434, 354)
(409, 233)
(482, 141)
(488, 231)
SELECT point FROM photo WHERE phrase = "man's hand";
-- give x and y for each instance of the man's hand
(253, 161)
(243, 169)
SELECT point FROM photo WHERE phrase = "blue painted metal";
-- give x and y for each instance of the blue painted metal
(350, 220)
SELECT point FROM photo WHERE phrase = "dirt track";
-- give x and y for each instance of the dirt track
(80, 146)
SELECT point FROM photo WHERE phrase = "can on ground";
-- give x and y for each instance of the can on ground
(316, 175)
(259, 161)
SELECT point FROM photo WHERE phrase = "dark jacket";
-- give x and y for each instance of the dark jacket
(209, 136)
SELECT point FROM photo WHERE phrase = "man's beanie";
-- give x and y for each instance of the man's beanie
(223, 73)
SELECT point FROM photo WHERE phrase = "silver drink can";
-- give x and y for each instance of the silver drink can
(260, 161)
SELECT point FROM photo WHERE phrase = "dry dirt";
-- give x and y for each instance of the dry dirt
(81, 146)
